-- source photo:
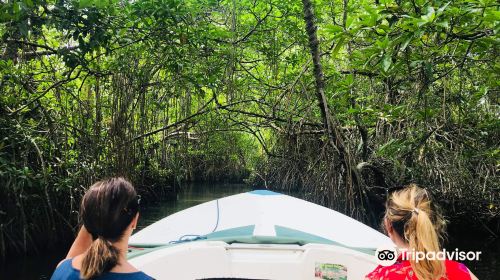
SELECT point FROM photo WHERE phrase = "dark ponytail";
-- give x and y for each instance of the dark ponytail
(107, 209)
(101, 257)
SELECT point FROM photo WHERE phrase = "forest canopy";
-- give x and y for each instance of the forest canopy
(338, 100)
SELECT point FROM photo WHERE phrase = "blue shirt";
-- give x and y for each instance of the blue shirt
(65, 271)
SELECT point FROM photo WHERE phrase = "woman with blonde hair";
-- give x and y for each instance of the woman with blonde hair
(414, 225)
(109, 211)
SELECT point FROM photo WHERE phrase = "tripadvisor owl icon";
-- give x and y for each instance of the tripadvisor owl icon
(386, 255)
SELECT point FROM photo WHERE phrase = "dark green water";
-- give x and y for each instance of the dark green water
(41, 267)
(191, 195)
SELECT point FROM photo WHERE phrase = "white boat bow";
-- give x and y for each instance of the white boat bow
(257, 235)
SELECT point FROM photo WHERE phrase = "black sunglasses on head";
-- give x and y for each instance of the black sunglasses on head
(133, 204)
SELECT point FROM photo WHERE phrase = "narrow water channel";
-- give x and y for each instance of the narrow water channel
(191, 195)
(41, 267)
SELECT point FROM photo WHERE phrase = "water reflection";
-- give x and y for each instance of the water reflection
(191, 195)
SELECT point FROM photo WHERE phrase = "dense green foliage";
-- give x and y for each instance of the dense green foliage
(165, 91)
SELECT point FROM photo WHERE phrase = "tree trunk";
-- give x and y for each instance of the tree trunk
(318, 71)
(329, 123)
(348, 175)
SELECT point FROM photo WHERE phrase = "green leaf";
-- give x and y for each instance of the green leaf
(440, 10)
(406, 43)
(386, 62)
(16, 9)
(444, 24)
(349, 21)
(337, 47)
(430, 16)
(334, 29)
(428, 69)
(86, 3)
(23, 28)
(28, 3)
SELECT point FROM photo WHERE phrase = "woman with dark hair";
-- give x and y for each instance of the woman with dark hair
(414, 225)
(109, 212)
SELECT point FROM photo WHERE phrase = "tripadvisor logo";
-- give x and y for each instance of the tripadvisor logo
(387, 255)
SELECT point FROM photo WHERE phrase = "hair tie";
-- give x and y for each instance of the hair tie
(415, 210)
